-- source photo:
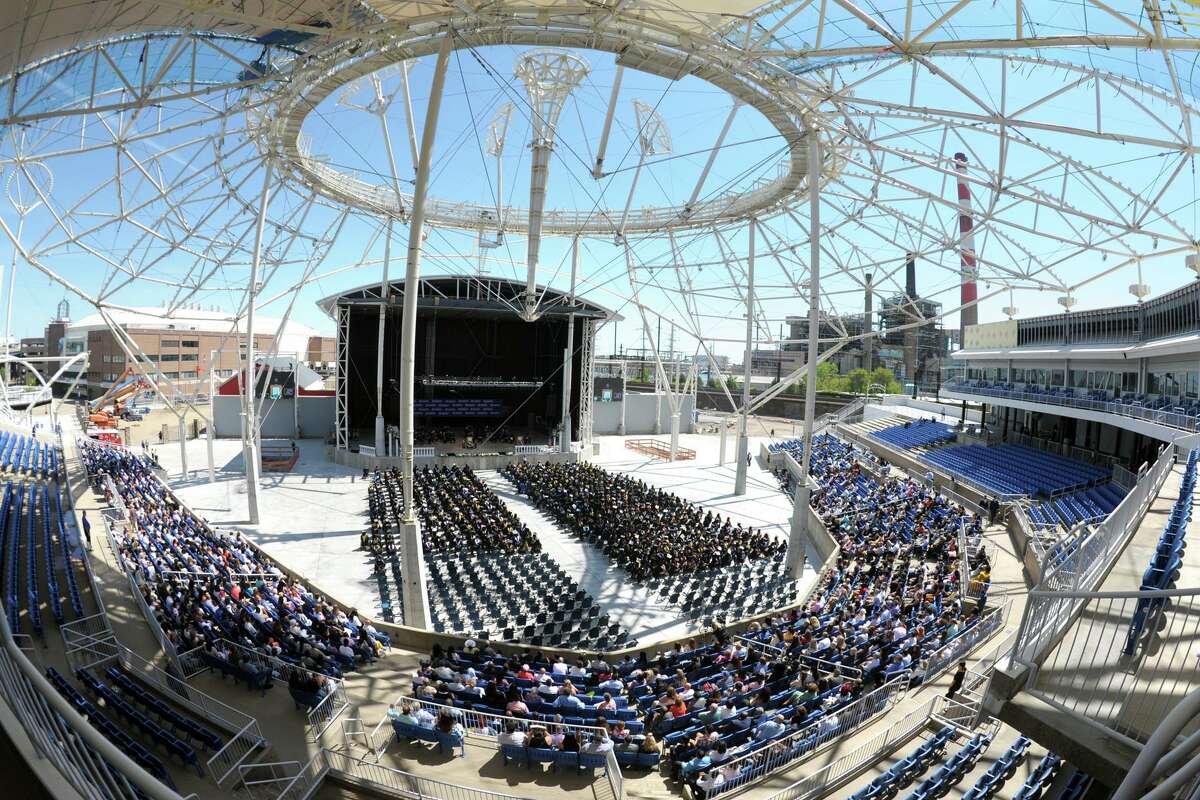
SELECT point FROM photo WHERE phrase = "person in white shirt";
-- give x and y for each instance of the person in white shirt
(599, 744)
(559, 667)
(511, 735)
(708, 781)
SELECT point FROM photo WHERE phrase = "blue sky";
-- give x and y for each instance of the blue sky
(480, 81)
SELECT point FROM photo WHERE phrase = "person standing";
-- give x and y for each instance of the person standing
(87, 530)
(956, 682)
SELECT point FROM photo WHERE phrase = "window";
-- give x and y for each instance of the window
(169, 357)
(1078, 379)
(189, 357)
(190, 343)
(170, 343)
(152, 356)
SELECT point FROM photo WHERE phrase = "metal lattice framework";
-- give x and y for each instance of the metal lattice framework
(219, 154)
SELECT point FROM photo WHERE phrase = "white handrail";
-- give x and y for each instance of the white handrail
(45, 693)
(805, 742)
(842, 770)
(1067, 583)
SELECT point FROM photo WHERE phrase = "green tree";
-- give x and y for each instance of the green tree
(883, 376)
(858, 380)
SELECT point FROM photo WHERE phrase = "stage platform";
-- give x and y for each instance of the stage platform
(313, 515)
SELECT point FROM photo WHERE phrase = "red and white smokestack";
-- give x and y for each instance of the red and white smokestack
(969, 315)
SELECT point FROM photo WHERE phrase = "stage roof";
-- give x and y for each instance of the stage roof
(470, 293)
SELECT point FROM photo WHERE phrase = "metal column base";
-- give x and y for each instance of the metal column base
(798, 540)
(414, 594)
(743, 449)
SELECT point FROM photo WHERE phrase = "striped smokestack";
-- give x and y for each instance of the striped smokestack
(966, 224)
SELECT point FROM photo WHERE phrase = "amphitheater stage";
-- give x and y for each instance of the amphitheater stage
(311, 519)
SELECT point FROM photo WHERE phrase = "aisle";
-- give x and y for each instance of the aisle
(639, 611)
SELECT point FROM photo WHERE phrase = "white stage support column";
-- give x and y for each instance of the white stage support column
(743, 440)
(798, 532)
(416, 608)
(569, 357)
(384, 290)
(209, 429)
(250, 422)
(674, 434)
(183, 447)
(721, 455)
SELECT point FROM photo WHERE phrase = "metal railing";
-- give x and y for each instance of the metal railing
(1128, 660)
(957, 648)
(94, 652)
(353, 770)
(318, 718)
(480, 724)
(1079, 566)
(135, 590)
(323, 714)
(789, 750)
(842, 769)
(94, 767)
(1171, 419)
(612, 771)
(266, 779)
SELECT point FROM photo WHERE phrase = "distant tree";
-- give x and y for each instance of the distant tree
(858, 380)
(883, 376)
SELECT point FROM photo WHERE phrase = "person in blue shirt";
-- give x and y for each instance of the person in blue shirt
(568, 701)
(770, 729)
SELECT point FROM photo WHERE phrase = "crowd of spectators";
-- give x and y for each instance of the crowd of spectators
(458, 513)
(207, 587)
(648, 532)
(725, 708)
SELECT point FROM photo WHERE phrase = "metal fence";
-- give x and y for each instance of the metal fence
(612, 771)
(1128, 660)
(135, 590)
(802, 744)
(957, 648)
(318, 719)
(478, 724)
(390, 781)
(1077, 566)
(90, 764)
(323, 714)
(842, 769)
(88, 652)
(1134, 410)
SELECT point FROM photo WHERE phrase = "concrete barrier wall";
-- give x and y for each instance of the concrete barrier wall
(474, 461)
(785, 406)
(640, 410)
